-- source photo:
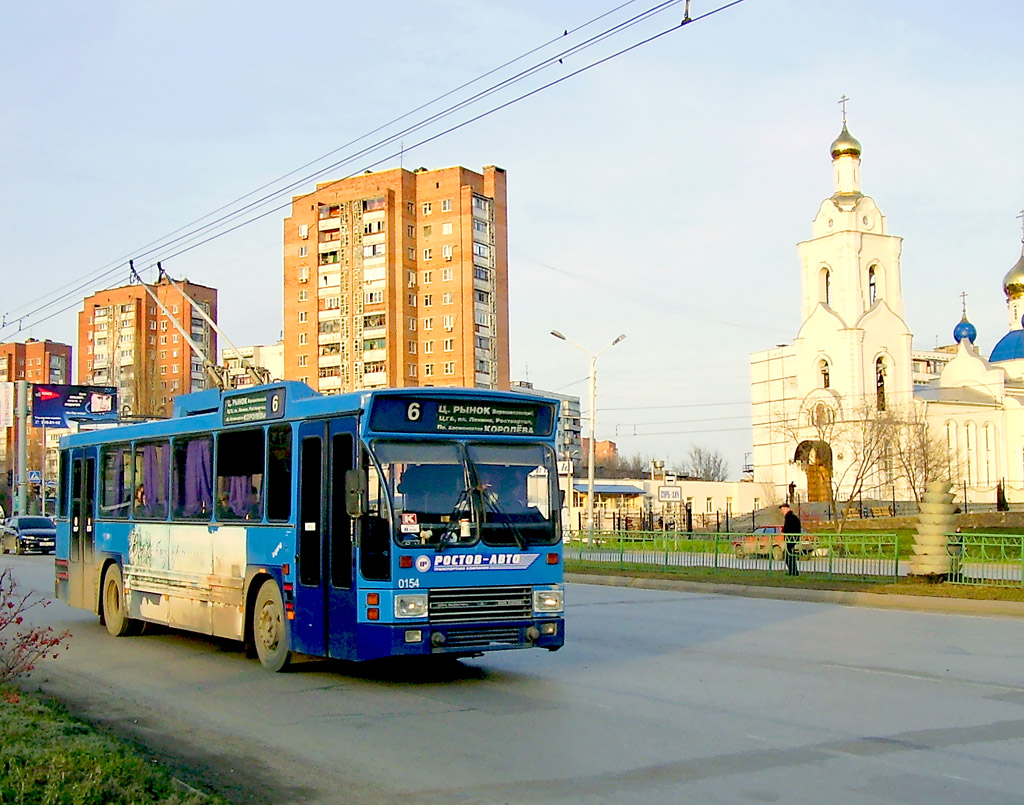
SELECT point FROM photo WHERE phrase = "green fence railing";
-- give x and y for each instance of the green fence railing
(987, 559)
(867, 556)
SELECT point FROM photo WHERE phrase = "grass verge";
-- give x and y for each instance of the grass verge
(48, 756)
(805, 581)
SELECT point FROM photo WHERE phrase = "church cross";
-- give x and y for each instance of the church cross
(963, 302)
(1021, 216)
(842, 102)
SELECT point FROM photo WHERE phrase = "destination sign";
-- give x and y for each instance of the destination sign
(489, 417)
(254, 406)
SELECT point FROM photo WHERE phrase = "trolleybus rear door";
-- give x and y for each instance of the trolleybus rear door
(309, 628)
(341, 603)
(81, 584)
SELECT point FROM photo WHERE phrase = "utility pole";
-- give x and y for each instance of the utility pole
(22, 447)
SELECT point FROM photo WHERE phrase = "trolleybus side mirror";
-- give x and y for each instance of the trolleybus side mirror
(355, 493)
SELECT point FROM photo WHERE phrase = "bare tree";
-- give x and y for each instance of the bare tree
(853, 447)
(920, 455)
(707, 465)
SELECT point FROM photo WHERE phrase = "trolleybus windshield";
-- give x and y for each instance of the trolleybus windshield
(448, 494)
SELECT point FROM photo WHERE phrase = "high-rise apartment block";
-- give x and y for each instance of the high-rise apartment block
(398, 278)
(266, 359)
(126, 340)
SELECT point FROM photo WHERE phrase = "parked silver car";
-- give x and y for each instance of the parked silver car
(25, 533)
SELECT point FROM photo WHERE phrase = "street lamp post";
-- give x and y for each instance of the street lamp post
(593, 419)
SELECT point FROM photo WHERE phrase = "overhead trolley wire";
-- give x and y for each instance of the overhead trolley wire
(168, 241)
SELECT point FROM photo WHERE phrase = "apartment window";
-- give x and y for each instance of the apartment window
(303, 360)
(483, 342)
(428, 370)
(481, 250)
(174, 338)
(449, 322)
(303, 316)
(426, 208)
(372, 250)
(427, 254)
(482, 297)
(446, 229)
(163, 326)
(332, 302)
(410, 208)
(174, 369)
(449, 367)
(483, 367)
(412, 300)
(481, 318)
(174, 309)
(303, 251)
(428, 324)
(163, 354)
(446, 205)
(412, 324)
(304, 274)
(303, 339)
(373, 297)
(427, 230)
(710, 505)
(428, 277)
(412, 347)
(163, 339)
(446, 252)
(412, 371)
(152, 325)
(303, 295)
(428, 347)
(481, 274)
(304, 230)
(410, 230)
(446, 298)
(449, 344)
(428, 299)
(447, 274)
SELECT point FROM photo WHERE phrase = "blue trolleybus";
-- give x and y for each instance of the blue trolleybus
(359, 526)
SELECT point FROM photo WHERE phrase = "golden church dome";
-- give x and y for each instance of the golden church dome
(1013, 282)
(845, 144)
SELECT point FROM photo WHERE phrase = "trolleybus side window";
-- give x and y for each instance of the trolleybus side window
(116, 482)
(375, 540)
(240, 475)
(193, 478)
(152, 465)
(279, 473)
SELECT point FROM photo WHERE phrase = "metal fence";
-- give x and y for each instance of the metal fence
(987, 559)
(867, 556)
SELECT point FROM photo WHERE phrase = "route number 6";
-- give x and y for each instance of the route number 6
(412, 413)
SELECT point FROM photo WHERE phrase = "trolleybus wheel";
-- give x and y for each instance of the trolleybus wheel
(115, 613)
(269, 629)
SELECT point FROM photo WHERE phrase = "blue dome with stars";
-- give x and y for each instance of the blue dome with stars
(964, 330)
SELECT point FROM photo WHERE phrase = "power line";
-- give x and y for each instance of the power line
(192, 236)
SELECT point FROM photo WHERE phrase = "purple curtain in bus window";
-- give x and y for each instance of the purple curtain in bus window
(239, 487)
(120, 495)
(154, 474)
(198, 479)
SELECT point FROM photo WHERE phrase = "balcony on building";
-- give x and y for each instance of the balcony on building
(375, 378)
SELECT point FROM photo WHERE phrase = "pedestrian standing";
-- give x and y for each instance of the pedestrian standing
(791, 533)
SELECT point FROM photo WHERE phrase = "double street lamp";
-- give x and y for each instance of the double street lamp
(593, 419)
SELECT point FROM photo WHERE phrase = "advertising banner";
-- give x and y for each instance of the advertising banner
(7, 395)
(54, 406)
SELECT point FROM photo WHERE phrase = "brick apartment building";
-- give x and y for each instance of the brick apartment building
(126, 340)
(398, 278)
(34, 362)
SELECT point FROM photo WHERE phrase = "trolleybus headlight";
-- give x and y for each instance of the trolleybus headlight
(410, 605)
(548, 600)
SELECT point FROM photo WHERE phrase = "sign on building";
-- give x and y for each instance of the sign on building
(670, 494)
(54, 406)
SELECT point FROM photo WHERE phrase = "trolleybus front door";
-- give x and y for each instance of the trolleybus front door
(81, 584)
(324, 597)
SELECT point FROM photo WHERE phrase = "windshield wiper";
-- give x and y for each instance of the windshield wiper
(450, 536)
(492, 503)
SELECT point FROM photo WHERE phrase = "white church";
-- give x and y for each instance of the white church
(817, 403)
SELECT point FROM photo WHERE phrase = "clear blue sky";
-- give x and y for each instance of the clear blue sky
(660, 194)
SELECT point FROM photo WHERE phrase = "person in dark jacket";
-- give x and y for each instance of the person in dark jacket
(791, 530)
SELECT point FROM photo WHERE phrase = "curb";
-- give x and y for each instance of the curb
(913, 603)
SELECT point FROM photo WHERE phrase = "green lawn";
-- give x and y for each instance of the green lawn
(47, 756)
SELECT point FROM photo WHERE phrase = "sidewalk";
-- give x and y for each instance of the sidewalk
(914, 603)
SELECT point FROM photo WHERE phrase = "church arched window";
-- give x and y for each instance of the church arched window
(823, 369)
(825, 286)
(970, 448)
(990, 452)
(880, 384)
(952, 454)
(872, 285)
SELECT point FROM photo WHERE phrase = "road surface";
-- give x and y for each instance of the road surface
(658, 697)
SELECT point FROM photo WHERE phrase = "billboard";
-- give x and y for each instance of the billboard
(54, 406)
(6, 405)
